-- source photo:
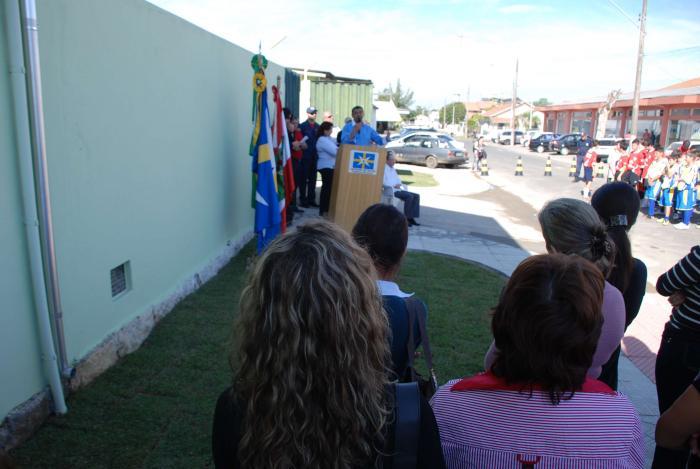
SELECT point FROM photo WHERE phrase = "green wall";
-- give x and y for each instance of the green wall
(20, 362)
(148, 125)
(340, 98)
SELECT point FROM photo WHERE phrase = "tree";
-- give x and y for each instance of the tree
(460, 112)
(475, 122)
(402, 99)
(542, 102)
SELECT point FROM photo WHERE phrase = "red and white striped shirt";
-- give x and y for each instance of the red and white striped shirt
(485, 423)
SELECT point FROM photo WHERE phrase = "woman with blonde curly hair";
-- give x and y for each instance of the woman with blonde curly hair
(310, 386)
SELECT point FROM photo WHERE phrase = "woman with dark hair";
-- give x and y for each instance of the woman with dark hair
(383, 231)
(571, 226)
(617, 205)
(327, 149)
(310, 384)
(535, 407)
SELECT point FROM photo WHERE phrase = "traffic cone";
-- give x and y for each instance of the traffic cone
(572, 168)
(548, 166)
(519, 167)
(484, 167)
(600, 173)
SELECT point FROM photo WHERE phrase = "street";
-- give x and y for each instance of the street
(513, 201)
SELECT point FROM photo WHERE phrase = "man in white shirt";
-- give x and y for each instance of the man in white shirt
(411, 206)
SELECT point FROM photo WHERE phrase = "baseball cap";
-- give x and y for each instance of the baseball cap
(311, 110)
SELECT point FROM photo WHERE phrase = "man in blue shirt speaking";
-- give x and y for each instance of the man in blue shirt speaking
(359, 133)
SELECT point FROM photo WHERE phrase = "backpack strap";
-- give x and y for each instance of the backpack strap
(406, 425)
(416, 309)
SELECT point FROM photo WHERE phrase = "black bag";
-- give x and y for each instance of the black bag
(427, 386)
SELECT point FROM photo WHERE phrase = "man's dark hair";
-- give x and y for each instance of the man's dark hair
(383, 231)
(624, 145)
(357, 107)
(658, 147)
(547, 324)
(287, 113)
(636, 140)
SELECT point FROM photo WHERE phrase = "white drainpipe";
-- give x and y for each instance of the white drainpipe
(25, 145)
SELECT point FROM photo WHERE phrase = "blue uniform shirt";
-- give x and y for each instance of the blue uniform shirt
(366, 135)
(309, 130)
(583, 146)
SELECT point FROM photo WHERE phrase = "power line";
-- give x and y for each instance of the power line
(624, 13)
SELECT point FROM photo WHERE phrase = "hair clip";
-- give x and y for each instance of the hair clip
(617, 220)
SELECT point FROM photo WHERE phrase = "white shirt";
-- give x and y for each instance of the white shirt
(391, 178)
(387, 288)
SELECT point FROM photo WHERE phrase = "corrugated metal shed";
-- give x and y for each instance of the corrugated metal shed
(291, 90)
(327, 92)
(340, 98)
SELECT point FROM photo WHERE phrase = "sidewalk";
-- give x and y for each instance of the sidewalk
(456, 224)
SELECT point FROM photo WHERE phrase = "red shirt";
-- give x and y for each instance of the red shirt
(636, 161)
(622, 162)
(590, 158)
(647, 163)
(297, 154)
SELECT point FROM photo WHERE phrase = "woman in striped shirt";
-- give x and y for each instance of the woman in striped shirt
(678, 360)
(535, 407)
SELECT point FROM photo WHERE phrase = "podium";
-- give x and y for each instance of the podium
(357, 183)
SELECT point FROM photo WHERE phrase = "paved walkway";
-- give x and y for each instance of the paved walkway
(457, 221)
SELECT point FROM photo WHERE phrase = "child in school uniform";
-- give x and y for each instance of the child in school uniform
(685, 191)
(668, 185)
(654, 175)
(590, 158)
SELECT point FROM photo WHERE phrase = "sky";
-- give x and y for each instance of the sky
(445, 49)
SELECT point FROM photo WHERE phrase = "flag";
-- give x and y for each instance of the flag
(266, 203)
(285, 172)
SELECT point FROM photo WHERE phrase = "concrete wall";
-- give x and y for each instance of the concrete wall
(148, 126)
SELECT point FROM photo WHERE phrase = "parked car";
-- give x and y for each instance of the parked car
(409, 129)
(541, 143)
(505, 137)
(605, 146)
(565, 144)
(694, 145)
(428, 148)
(531, 135)
(493, 135)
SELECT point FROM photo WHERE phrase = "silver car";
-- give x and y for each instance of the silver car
(428, 148)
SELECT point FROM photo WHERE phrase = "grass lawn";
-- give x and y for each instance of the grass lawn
(416, 178)
(154, 408)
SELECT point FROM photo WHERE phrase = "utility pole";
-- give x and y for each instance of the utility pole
(444, 110)
(459, 96)
(512, 105)
(638, 78)
(466, 113)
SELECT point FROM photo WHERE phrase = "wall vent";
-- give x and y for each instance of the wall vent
(118, 276)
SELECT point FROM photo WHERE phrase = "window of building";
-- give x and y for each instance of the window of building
(612, 128)
(696, 112)
(680, 112)
(561, 120)
(683, 130)
(653, 126)
(581, 122)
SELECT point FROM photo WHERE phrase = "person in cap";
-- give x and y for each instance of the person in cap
(307, 168)
(359, 133)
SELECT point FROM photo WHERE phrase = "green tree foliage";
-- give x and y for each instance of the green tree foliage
(475, 122)
(542, 102)
(401, 98)
(460, 112)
